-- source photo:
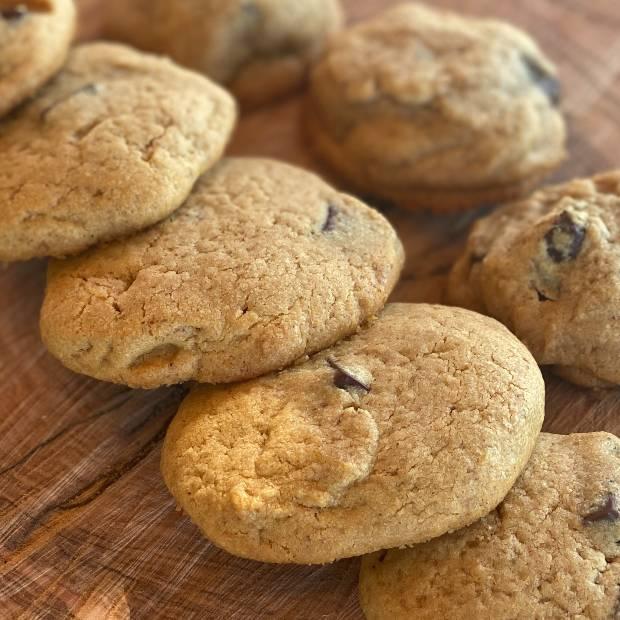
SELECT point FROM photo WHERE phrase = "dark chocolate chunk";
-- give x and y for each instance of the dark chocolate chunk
(609, 511)
(548, 83)
(565, 239)
(542, 296)
(330, 219)
(345, 380)
(14, 14)
(91, 89)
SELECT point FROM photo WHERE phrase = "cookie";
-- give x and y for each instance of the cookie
(550, 550)
(433, 110)
(259, 49)
(264, 263)
(33, 47)
(549, 268)
(416, 426)
(112, 145)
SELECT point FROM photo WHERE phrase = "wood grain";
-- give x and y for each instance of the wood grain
(87, 529)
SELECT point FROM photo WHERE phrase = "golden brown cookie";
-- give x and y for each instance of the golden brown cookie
(549, 268)
(112, 145)
(434, 110)
(34, 42)
(549, 552)
(264, 263)
(418, 425)
(259, 49)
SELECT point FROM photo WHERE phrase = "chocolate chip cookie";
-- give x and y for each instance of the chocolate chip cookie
(264, 263)
(34, 42)
(259, 49)
(548, 267)
(550, 550)
(434, 110)
(112, 145)
(414, 427)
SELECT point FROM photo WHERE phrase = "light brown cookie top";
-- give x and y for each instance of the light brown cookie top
(549, 551)
(113, 144)
(435, 110)
(263, 264)
(549, 268)
(33, 47)
(416, 426)
(260, 49)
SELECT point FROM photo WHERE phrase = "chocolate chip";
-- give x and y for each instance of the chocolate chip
(330, 219)
(542, 296)
(609, 511)
(565, 239)
(548, 83)
(345, 379)
(14, 14)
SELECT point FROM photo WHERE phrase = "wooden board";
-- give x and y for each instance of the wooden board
(87, 528)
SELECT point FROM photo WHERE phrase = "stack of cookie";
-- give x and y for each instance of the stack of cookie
(329, 424)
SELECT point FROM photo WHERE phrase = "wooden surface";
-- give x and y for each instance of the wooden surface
(87, 529)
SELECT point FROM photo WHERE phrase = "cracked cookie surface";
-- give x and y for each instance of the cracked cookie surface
(112, 145)
(33, 47)
(415, 426)
(259, 49)
(548, 267)
(436, 111)
(549, 551)
(264, 263)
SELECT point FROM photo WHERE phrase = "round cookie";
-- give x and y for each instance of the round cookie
(436, 111)
(33, 47)
(416, 426)
(259, 49)
(549, 268)
(263, 264)
(112, 145)
(549, 551)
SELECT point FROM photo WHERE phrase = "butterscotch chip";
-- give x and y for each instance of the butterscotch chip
(418, 425)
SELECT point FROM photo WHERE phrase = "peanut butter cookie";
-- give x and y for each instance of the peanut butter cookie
(112, 145)
(434, 110)
(550, 551)
(264, 263)
(259, 49)
(414, 427)
(34, 42)
(548, 268)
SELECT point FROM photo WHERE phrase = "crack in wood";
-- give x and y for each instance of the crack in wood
(95, 488)
(66, 429)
